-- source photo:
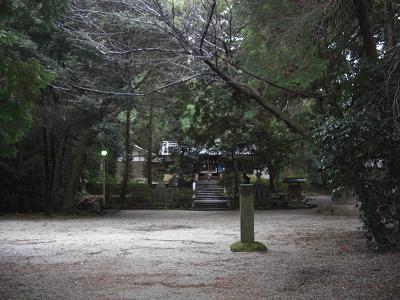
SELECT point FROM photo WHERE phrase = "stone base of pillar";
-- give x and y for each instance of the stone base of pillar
(248, 247)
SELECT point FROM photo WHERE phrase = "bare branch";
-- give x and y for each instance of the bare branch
(115, 93)
(205, 31)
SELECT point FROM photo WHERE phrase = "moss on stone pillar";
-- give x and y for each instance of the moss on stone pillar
(246, 213)
(247, 243)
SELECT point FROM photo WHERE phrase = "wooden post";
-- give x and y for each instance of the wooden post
(246, 213)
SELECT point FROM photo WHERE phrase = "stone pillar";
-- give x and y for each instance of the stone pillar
(246, 213)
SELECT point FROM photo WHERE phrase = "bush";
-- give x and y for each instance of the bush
(181, 198)
(228, 182)
(360, 151)
(262, 181)
(140, 193)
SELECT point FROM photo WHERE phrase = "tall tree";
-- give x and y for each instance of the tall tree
(21, 71)
(150, 134)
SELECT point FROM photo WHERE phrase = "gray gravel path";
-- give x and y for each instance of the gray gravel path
(185, 255)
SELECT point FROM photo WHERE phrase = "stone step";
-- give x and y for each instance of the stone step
(210, 208)
(213, 200)
(208, 200)
(209, 197)
(211, 205)
(209, 193)
(209, 188)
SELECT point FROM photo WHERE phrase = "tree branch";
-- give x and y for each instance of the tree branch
(254, 94)
(115, 93)
(210, 16)
(299, 93)
(366, 32)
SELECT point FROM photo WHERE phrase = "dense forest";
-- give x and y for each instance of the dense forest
(316, 79)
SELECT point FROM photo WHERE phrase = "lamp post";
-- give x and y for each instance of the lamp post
(104, 154)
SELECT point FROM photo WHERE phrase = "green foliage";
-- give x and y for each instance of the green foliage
(278, 41)
(22, 77)
(302, 45)
(180, 198)
(214, 117)
(361, 151)
(137, 193)
(280, 186)
(22, 82)
(228, 182)
(140, 192)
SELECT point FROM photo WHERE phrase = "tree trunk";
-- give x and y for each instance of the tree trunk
(150, 144)
(362, 11)
(46, 168)
(390, 33)
(272, 177)
(77, 165)
(236, 183)
(50, 161)
(53, 163)
(127, 159)
(58, 174)
(22, 194)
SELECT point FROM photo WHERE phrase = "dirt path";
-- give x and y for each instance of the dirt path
(185, 255)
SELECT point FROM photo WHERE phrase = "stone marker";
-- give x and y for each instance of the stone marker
(247, 242)
(246, 213)
(161, 191)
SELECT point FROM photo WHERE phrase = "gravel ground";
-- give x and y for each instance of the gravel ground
(185, 255)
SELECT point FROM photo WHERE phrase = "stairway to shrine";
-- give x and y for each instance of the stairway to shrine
(210, 196)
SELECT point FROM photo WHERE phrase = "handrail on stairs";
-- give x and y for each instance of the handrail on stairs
(194, 189)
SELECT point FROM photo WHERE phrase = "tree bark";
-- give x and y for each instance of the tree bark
(77, 165)
(272, 175)
(53, 163)
(127, 158)
(58, 174)
(390, 33)
(150, 144)
(46, 168)
(23, 195)
(236, 183)
(362, 11)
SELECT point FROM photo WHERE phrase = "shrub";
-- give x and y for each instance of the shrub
(140, 193)
(360, 150)
(228, 182)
